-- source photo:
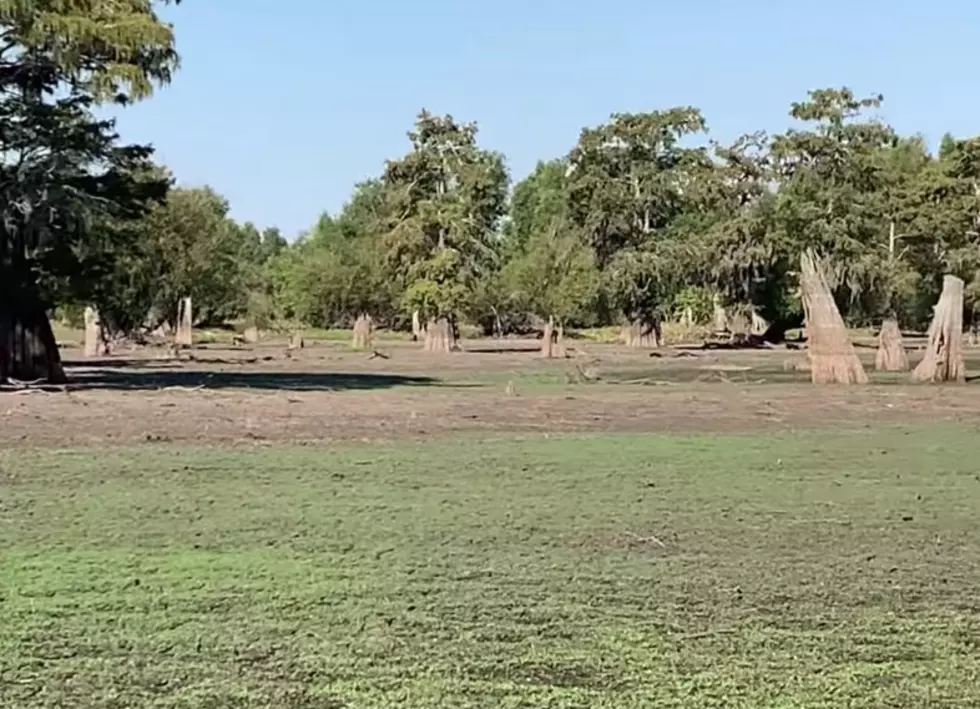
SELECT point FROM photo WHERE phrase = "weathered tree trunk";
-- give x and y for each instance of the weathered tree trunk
(943, 361)
(28, 350)
(439, 336)
(687, 318)
(363, 332)
(759, 324)
(832, 356)
(644, 333)
(95, 345)
(296, 341)
(184, 336)
(417, 330)
(891, 356)
(739, 324)
(552, 344)
(251, 335)
(720, 316)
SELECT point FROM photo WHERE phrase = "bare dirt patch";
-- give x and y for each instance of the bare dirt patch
(328, 393)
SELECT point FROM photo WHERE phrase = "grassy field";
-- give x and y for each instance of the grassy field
(808, 569)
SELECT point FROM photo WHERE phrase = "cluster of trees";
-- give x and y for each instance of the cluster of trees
(643, 218)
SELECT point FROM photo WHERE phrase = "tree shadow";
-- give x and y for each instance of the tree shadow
(503, 349)
(144, 380)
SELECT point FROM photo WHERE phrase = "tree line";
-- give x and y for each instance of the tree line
(644, 218)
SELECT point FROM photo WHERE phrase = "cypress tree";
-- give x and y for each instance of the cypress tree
(62, 170)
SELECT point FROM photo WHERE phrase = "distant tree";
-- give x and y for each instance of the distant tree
(629, 181)
(186, 245)
(444, 200)
(832, 178)
(555, 277)
(334, 272)
(537, 201)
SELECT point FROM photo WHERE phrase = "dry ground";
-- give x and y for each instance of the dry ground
(326, 392)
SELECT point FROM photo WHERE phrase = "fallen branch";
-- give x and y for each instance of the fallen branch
(178, 387)
(646, 540)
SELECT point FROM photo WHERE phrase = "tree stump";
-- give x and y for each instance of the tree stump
(759, 324)
(296, 341)
(891, 356)
(832, 356)
(363, 332)
(251, 335)
(643, 333)
(687, 318)
(418, 331)
(943, 361)
(439, 336)
(94, 341)
(720, 318)
(184, 336)
(552, 344)
(739, 324)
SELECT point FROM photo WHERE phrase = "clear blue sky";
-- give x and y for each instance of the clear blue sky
(283, 106)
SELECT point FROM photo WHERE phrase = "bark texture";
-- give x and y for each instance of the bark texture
(552, 343)
(832, 356)
(363, 332)
(440, 336)
(184, 335)
(891, 356)
(943, 361)
(643, 333)
(28, 350)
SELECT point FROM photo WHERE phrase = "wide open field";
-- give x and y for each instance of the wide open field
(487, 529)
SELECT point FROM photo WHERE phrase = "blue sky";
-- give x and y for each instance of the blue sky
(283, 106)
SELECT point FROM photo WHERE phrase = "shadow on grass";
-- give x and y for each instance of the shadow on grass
(133, 380)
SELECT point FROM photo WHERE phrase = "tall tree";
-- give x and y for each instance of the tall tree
(445, 199)
(629, 181)
(832, 180)
(62, 169)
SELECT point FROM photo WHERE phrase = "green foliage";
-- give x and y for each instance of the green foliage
(556, 275)
(335, 272)
(628, 184)
(538, 201)
(444, 201)
(188, 246)
(699, 300)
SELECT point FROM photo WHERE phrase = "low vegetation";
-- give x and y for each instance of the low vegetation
(813, 569)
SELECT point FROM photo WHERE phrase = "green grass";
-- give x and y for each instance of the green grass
(810, 570)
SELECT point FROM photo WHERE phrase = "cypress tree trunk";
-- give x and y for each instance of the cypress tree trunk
(440, 336)
(28, 350)
(643, 332)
